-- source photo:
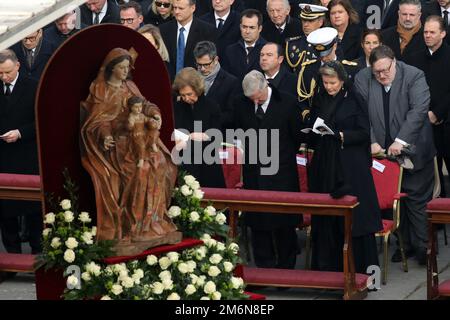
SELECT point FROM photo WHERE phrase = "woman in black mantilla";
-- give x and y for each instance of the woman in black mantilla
(341, 165)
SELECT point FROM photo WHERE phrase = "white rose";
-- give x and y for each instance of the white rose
(209, 287)
(49, 218)
(93, 268)
(190, 289)
(233, 247)
(183, 268)
(213, 271)
(117, 289)
(109, 271)
(84, 217)
(174, 211)
(185, 190)
(127, 282)
(221, 218)
(46, 232)
(105, 298)
(194, 278)
(195, 185)
(205, 237)
(164, 263)
(201, 281)
(72, 281)
(173, 296)
(55, 243)
(71, 243)
(198, 194)
(68, 216)
(86, 276)
(200, 253)
(87, 237)
(69, 255)
(211, 243)
(138, 274)
(157, 287)
(65, 204)
(165, 275)
(215, 258)
(194, 216)
(168, 284)
(228, 266)
(94, 230)
(189, 180)
(205, 298)
(236, 282)
(220, 246)
(210, 210)
(191, 265)
(173, 256)
(151, 260)
(216, 295)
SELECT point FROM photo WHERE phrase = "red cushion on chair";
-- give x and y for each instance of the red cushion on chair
(276, 197)
(231, 160)
(300, 278)
(17, 262)
(444, 288)
(387, 225)
(386, 182)
(302, 173)
(439, 204)
(255, 296)
(20, 180)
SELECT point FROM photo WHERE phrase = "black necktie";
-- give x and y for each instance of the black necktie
(249, 50)
(259, 113)
(8, 89)
(220, 25)
(30, 57)
(445, 18)
(280, 29)
(97, 18)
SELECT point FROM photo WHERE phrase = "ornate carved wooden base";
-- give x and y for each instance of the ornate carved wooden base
(136, 247)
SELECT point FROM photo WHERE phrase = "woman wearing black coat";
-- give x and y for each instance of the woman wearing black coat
(192, 105)
(160, 11)
(341, 165)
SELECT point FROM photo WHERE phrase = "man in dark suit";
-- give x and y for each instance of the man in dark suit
(99, 11)
(276, 119)
(182, 34)
(406, 37)
(398, 99)
(243, 56)
(62, 29)
(220, 86)
(18, 150)
(131, 15)
(271, 62)
(281, 25)
(434, 62)
(33, 53)
(226, 21)
(439, 8)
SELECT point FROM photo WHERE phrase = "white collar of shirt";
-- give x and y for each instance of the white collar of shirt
(443, 9)
(224, 18)
(186, 27)
(249, 45)
(431, 52)
(387, 88)
(266, 103)
(102, 13)
(272, 77)
(283, 26)
(12, 84)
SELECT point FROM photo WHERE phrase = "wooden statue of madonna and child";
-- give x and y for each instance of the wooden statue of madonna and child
(131, 168)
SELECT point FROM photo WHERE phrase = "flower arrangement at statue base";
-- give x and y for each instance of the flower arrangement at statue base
(202, 272)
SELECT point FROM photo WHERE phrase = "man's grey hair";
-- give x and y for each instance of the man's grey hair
(412, 2)
(8, 54)
(203, 48)
(253, 81)
(285, 3)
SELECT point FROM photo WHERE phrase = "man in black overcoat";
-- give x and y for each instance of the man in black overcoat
(18, 150)
(439, 8)
(276, 118)
(99, 11)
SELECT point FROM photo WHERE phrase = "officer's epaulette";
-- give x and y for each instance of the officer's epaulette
(349, 63)
(309, 62)
(293, 38)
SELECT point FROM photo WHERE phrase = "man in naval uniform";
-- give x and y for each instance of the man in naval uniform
(298, 50)
(324, 41)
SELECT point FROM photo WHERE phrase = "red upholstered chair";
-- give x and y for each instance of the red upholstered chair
(231, 158)
(387, 176)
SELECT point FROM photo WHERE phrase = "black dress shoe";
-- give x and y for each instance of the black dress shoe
(397, 256)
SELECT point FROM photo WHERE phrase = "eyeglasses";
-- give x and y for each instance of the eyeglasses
(378, 73)
(31, 39)
(128, 20)
(204, 65)
(162, 4)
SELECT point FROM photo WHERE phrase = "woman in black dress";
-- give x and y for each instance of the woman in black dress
(192, 105)
(341, 165)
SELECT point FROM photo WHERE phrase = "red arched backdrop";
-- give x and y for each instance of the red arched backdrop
(65, 82)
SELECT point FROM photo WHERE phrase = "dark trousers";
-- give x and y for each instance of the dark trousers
(10, 228)
(275, 248)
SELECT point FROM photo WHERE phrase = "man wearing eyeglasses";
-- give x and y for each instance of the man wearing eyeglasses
(62, 28)
(131, 15)
(99, 11)
(33, 53)
(398, 99)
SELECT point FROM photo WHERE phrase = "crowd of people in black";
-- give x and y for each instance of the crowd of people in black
(378, 78)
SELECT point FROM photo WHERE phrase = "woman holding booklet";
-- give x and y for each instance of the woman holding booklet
(340, 137)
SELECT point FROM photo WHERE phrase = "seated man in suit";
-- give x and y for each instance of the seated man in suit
(220, 86)
(131, 15)
(99, 11)
(62, 28)
(281, 25)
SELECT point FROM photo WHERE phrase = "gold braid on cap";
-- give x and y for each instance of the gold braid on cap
(302, 91)
(290, 63)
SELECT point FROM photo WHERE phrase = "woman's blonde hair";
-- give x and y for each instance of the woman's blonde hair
(154, 31)
(153, 7)
(189, 77)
